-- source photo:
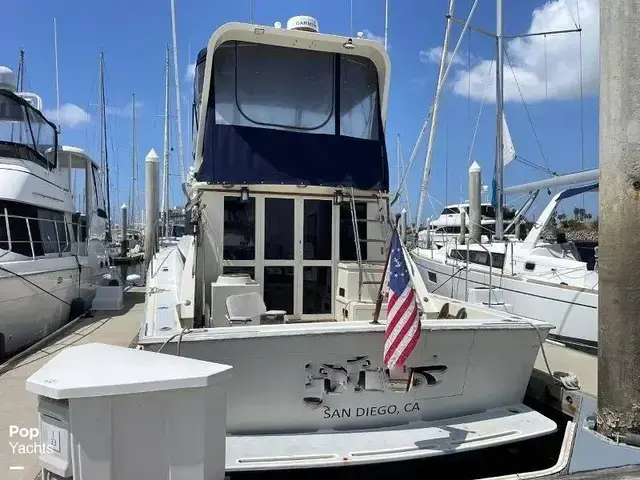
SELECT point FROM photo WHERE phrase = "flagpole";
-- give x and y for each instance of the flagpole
(376, 313)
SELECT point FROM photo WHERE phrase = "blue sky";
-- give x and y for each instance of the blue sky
(133, 36)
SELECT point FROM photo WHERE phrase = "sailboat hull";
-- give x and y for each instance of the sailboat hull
(573, 311)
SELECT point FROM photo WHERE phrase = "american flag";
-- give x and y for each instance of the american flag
(403, 324)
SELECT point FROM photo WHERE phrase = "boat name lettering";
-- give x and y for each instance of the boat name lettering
(374, 411)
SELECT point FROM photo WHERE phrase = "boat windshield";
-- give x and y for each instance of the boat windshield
(270, 106)
(25, 133)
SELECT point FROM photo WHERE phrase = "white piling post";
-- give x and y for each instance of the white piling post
(151, 206)
(475, 201)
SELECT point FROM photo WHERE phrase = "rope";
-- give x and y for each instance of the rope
(179, 334)
(34, 284)
(449, 278)
(484, 93)
(571, 13)
(526, 109)
(568, 380)
(531, 164)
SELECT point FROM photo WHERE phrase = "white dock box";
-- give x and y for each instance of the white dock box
(110, 412)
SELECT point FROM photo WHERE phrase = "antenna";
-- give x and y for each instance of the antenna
(176, 79)
(20, 82)
(350, 17)
(386, 22)
(55, 54)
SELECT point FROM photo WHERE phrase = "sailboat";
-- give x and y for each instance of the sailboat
(282, 274)
(522, 273)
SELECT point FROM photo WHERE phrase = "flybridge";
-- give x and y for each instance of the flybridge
(291, 115)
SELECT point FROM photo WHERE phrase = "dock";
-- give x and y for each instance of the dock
(19, 407)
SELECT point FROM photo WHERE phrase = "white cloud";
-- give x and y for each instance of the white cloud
(190, 73)
(434, 54)
(545, 67)
(369, 35)
(124, 111)
(70, 115)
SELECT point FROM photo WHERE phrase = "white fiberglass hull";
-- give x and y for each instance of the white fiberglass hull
(38, 301)
(573, 311)
(280, 397)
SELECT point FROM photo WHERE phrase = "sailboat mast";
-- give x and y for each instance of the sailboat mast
(176, 79)
(134, 186)
(165, 163)
(104, 159)
(499, 121)
(434, 117)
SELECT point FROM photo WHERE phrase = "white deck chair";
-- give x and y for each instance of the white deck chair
(248, 308)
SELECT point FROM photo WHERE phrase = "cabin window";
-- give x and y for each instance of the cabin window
(239, 229)
(529, 266)
(479, 257)
(347, 242)
(279, 228)
(275, 87)
(292, 89)
(25, 133)
(19, 231)
(358, 98)
(48, 222)
(450, 229)
(316, 290)
(278, 288)
(4, 230)
(450, 211)
(317, 229)
(432, 277)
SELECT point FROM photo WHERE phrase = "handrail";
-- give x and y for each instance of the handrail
(471, 240)
(63, 245)
(356, 237)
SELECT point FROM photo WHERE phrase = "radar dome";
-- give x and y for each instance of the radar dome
(304, 23)
(7, 79)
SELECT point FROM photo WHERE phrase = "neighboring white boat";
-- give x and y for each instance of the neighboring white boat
(541, 278)
(448, 225)
(51, 256)
(279, 272)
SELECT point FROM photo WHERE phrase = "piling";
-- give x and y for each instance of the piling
(475, 201)
(619, 221)
(123, 230)
(151, 206)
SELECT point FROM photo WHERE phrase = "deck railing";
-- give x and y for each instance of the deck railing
(62, 243)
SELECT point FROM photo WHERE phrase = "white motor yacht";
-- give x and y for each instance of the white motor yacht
(51, 254)
(280, 269)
